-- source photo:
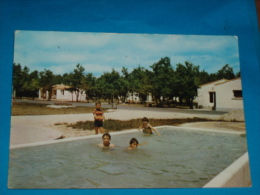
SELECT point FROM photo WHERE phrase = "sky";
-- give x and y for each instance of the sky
(60, 52)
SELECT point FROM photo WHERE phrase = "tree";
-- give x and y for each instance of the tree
(22, 81)
(238, 74)
(161, 80)
(89, 85)
(204, 77)
(187, 82)
(17, 78)
(125, 84)
(46, 81)
(108, 85)
(226, 72)
(75, 80)
(31, 86)
(139, 83)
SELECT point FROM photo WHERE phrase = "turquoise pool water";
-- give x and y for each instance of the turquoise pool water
(177, 159)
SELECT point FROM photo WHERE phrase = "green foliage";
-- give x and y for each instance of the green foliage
(46, 81)
(226, 72)
(187, 81)
(75, 80)
(24, 82)
(139, 82)
(109, 85)
(161, 80)
(89, 85)
(17, 77)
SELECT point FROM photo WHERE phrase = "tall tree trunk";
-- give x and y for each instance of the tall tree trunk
(49, 95)
(191, 103)
(77, 95)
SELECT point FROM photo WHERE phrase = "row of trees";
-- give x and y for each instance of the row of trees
(161, 80)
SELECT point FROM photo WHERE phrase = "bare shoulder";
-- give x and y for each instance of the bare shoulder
(111, 145)
(149, 125)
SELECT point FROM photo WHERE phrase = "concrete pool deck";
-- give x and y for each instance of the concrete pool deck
(31, 129)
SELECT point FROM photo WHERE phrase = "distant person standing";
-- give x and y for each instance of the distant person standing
(98, 118)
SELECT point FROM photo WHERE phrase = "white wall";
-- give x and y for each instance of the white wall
(132, 98)
(225, 96)
(235, 175)
(203, 93)
(67, 95)
(149, 98)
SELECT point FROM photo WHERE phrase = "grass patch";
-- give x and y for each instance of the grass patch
(24, 108)
(117, 125)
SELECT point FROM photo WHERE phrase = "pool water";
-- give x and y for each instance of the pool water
(176, 159)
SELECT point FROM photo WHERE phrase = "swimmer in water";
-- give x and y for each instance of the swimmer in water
(134, 143)
(106, 137)
(147, 128)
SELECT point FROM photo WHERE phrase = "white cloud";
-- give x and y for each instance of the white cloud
(99, 52)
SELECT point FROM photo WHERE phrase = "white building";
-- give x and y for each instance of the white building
(59, 92)
(221, 95)
(132, 98)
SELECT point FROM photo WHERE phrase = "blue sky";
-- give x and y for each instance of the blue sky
(60, 52)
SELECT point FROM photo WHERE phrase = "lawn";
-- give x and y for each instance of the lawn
(24, 108)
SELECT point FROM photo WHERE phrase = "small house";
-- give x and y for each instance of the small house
(221, 95)
(61, 92)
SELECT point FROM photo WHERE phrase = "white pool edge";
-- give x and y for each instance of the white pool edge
(235, 175)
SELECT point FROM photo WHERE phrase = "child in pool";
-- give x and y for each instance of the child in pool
(147, 128)
(134, 143)
(106, 137)
(98, 118)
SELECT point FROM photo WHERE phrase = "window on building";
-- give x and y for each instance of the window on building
(211, 97)
(237, 93)
(62, 92)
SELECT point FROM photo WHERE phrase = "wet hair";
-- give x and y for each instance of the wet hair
(145, 119)
(133, 140)
(106, 134)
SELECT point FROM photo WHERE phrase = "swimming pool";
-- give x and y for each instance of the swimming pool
(179, 158)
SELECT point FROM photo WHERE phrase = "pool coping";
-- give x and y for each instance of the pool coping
(236, 174)
(115, 133)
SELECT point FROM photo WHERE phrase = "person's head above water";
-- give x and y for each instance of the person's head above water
(133, 143)
(106, 137)
(145, 121)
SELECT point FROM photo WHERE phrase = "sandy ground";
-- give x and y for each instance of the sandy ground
(30, 129)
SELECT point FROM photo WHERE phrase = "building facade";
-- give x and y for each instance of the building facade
(221, 95)
(61, 92)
